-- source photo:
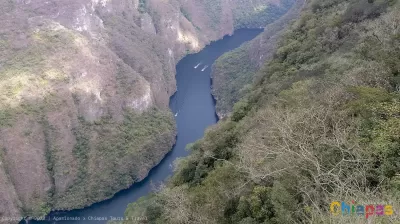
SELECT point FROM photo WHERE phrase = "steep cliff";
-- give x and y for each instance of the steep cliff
(85, 86)
(233, 73)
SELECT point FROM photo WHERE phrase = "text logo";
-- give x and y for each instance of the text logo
(341, 208)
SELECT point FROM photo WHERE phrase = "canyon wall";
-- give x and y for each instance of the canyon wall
(234, 72)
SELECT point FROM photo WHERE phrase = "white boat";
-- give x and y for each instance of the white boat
(197, 65)
(176, 114)
(205, 67)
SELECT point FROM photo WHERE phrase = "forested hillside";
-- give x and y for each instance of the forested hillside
(234, 71)
(321, 123)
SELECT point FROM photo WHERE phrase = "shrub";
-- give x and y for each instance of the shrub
(361, 10)
(142, 6)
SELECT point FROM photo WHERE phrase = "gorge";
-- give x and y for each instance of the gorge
(195, 111)
(85, 91)
(95, 93)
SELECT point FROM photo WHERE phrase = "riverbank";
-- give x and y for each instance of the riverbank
(196, 112)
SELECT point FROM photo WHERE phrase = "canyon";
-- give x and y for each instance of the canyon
(85, 87)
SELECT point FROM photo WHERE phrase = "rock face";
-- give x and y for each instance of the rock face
(85, 86)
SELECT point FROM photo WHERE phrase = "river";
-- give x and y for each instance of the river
(194, 110)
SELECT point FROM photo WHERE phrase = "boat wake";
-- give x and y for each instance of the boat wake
(197, 65)
(205, 67)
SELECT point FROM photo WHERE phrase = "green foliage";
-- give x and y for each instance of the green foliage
(149, 206)
(6, 117)
(219, 143)
(44, 210)
(122, 148)
(26, 68)
(81, 149)
(285, 199)
(321, 123)
(380, 129)
(260, 15)
(361, 10)
(319, 5)
(240, 110)
(186, 14)
(233, 71)
(214, 12)
(257, 206)
(6, 6)
(40, 209)
(365, 97)
(142, 6)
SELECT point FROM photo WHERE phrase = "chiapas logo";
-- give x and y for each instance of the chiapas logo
(342, 208)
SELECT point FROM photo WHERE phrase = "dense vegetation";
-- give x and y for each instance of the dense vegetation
(26, 70)
(123, 148)
(246, 14)
(237, 70)
(261, 14)
(320, 124)
(234, 72)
